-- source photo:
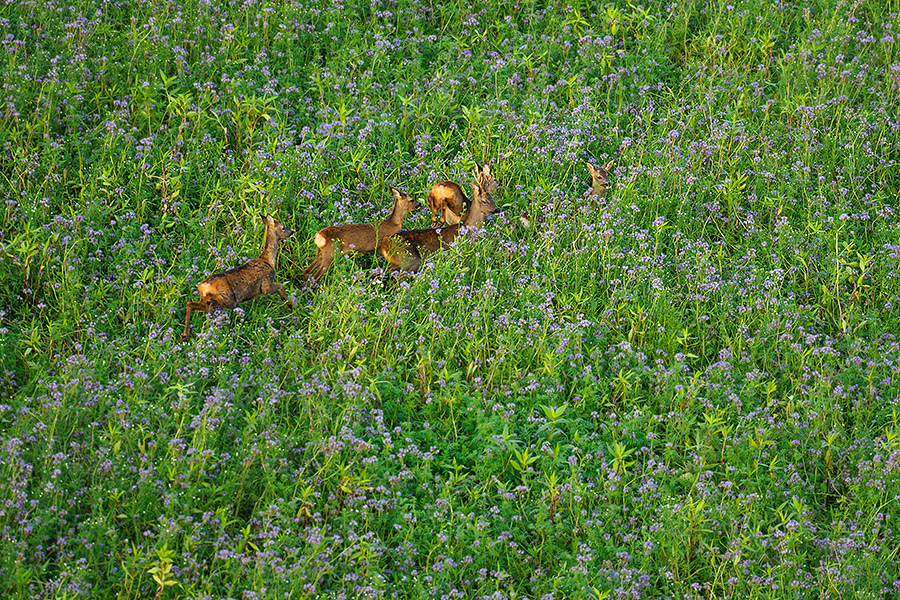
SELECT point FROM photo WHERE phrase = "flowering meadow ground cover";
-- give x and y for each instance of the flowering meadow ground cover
(690, 390)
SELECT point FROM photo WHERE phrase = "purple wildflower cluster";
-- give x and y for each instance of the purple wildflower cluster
(686, 389)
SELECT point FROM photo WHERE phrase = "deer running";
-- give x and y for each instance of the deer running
(446, 199)
(405, 251)
(252, 279)
(363, 237)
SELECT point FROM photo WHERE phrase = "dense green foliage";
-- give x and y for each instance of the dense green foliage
(687, 390)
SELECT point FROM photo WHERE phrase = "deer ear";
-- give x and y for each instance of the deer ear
(609, 165)
(486, 170)
(590, 167)
(476, 189)
(394, 192)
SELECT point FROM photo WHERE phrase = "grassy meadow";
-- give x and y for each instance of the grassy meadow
(690, 390)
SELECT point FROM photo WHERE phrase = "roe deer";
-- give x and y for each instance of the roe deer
(533, 217)
(252, 279)
(363, 237)
(446, 199)
(406, 250)
(600, 179)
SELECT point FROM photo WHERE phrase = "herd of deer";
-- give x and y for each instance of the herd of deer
(403, 250)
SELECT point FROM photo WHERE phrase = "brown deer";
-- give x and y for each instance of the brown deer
(406, 250)
(363, 237)
(600, 179)
(597, 191)
(252, 279)
(446, 199)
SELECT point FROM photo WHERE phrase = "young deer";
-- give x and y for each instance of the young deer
(600, 179)
(446, 199)
(363, 238)
(252, 279)
(405, 251)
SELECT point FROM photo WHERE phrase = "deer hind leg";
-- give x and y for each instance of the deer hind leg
(411, 262)
(394, 251)
(324, 255)
(319, 266)
(310, 274)
(404, 259)
(435, 208)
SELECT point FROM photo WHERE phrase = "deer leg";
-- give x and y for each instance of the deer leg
(394, 252)
(411, 262)
(280, 289)
(324, 257)
(406, 260)
(434, 207)
(277, 287)
(314, 270)
(203, 305)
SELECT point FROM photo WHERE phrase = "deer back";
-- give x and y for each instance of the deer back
(446, 200)
(355, 237)
(426, 240)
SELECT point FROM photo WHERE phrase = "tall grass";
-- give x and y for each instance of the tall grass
(688, 390)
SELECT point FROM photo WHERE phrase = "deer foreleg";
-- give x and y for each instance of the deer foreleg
(277, 287)
(192, 306)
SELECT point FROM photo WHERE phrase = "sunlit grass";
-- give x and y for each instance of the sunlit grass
(687, 389)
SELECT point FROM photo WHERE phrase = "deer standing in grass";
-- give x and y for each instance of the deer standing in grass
(597, 191)
(363, 237)
(252, 279)
(447, 200)
(600, 178)
(406, 250)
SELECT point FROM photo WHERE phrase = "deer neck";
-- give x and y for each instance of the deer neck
(474, 217)
(600, 189)
(270, 248)
(395, 221)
